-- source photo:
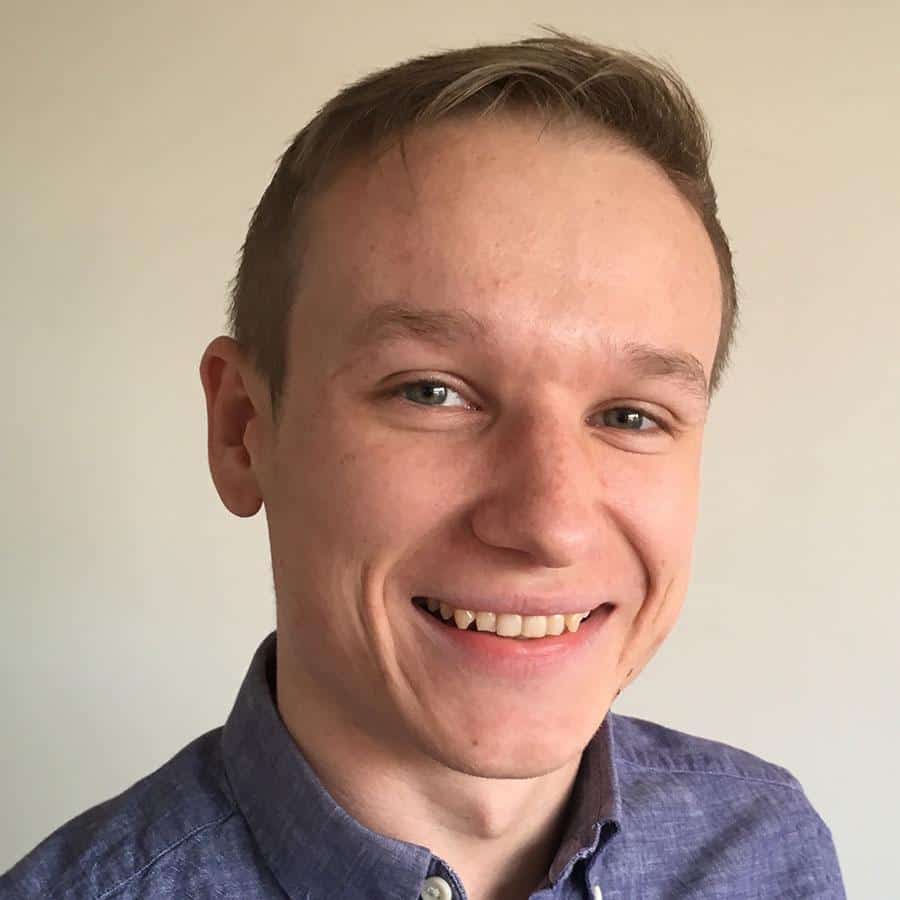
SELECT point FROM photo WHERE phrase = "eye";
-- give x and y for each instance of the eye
(629, 418)
(435, 393)
(427, 392)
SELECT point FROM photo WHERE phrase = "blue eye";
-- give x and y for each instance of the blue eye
(434, 393)
(627, 418)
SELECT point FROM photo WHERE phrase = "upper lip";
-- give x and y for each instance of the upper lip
(521, 604)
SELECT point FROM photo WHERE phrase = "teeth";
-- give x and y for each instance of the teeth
(486, 621)
(509, 625)
(573, 620)
(556, 624)
(534, 626)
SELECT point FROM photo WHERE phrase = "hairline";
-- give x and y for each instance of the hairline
(368, 153)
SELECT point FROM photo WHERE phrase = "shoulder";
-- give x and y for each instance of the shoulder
(738, 817)
(105, 852)
(640, 744)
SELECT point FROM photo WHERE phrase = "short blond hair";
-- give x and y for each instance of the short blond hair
(640, 101)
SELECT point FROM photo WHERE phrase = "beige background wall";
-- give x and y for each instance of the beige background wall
(136, 143)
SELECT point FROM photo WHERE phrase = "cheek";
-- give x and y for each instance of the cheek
(663, 535)
(385, 492)
(355, 497)
(661, 504)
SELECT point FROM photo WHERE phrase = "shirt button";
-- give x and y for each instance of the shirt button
(436, 889)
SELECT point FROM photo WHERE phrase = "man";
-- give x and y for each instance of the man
(479, 317)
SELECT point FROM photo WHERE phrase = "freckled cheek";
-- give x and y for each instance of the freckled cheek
(372, 496)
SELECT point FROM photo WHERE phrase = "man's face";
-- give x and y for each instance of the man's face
(547, 465)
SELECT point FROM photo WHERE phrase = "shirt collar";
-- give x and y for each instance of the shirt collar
(595, 808)
(312, 845)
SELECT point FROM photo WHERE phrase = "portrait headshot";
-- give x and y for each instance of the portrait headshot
(451, 452)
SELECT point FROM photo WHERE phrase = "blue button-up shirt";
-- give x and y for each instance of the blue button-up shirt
(239, 813)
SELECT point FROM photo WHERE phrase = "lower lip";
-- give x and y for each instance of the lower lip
(515, 657)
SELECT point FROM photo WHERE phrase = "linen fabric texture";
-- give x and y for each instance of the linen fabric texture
(239, 814)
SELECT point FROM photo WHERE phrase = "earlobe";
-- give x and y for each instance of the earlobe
(232, 419)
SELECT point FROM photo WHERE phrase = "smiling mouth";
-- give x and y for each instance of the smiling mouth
(504, 625)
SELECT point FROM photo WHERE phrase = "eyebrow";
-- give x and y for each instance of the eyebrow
(448, 327)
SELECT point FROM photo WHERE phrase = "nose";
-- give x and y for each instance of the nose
(542, 495)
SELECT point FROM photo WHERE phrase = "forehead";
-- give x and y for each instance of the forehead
(553, 233)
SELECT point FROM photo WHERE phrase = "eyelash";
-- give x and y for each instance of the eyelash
(399, 389)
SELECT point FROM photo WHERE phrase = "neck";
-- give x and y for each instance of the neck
(498, 835)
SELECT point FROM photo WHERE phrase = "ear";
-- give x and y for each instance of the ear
(237, 415)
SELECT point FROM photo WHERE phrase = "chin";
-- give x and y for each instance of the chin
(512, 750)
(524, 768)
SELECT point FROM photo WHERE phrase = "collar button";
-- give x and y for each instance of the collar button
(436, 889)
